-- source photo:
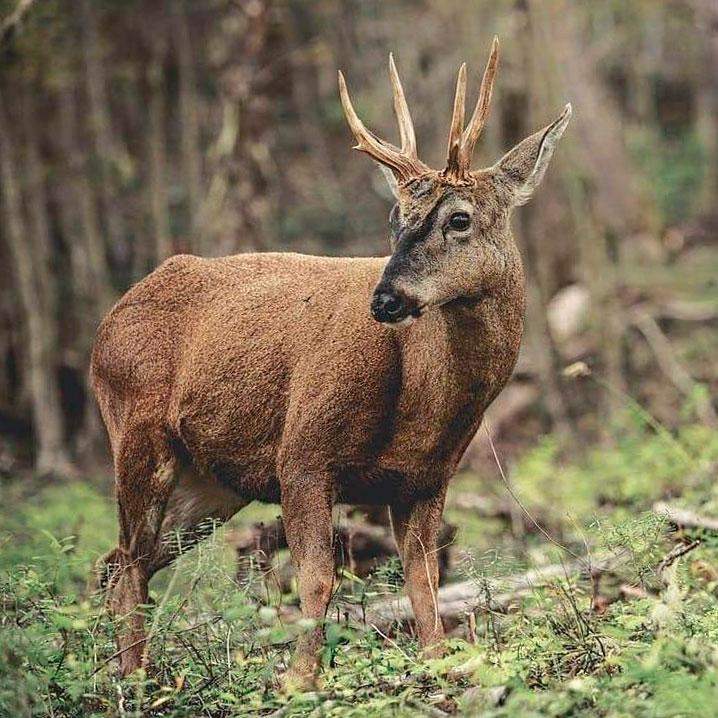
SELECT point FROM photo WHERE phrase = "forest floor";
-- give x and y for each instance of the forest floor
(635, 639)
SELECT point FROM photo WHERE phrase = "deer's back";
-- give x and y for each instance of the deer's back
(229, 352)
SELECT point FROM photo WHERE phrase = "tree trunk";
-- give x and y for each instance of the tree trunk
(107, 152)
(707, 109)
(157, 154)
(235, 211)
(540, 262)
(604, 211)
(92, 290)
(50, 456)
(88, 247)
(189, 120)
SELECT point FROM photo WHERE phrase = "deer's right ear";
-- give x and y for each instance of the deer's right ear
(524, 166)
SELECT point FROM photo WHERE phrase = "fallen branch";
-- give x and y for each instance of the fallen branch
(687, 311)
(359, 546)
(628, 591)
(685, 517)
(460, 598)
(675, 553)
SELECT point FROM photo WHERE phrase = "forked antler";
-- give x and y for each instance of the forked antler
(404, 162)
(462, 141)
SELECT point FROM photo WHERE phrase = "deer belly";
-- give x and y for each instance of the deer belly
(252, 480)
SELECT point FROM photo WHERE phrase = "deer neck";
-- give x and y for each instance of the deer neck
(470, 343)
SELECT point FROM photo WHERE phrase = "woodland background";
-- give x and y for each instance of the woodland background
(134, 129)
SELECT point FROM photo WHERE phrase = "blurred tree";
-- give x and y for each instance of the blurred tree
(133, 130)
(29, 251)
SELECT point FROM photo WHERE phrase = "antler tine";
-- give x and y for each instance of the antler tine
(404, 165)
(406, 126)
(481, 111)
(457, 122)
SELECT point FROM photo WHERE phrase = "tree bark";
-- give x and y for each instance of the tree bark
(92, 289)
(191, 154)
(606, 209)
(707, 105)
(235, 210)
(157, 154)
(540, 260)
(104, 142)
(31, 281)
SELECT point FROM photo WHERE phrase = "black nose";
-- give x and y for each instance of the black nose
(387, 307)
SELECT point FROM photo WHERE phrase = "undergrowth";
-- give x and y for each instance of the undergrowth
(632, 641)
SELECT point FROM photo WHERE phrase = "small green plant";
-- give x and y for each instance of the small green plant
(577, 644)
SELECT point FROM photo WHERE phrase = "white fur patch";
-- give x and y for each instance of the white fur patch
(405, 322)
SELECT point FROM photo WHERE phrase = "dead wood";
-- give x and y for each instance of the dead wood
(628, 591)
(461, 598)
(685, 517)
(9, 25)
(359, 546)
(675, 553)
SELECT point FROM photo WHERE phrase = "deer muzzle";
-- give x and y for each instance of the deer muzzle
(392, 306)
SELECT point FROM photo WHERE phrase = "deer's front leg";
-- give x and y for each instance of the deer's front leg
(307, 514)
(416, 528)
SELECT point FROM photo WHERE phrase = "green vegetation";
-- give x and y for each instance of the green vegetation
(635, 642)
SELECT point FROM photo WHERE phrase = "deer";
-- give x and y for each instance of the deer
(310, 381)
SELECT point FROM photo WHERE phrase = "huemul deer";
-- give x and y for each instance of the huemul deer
(309, 381)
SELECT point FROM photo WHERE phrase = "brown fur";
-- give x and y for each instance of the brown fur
(265, 377)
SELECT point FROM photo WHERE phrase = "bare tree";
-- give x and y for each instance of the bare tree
(108, 153)
(30, 278)
(191, 157)
(157, 153)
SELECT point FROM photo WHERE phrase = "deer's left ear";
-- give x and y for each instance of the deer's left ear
(391, 180)
(524, 166)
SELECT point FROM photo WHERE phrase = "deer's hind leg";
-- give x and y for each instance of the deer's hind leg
(197, 506)
(146, 471)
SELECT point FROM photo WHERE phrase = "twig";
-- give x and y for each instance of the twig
(509, 488)
(393, 643)
(116, 654)
(120, 700)
(434, 601)
(675, 553)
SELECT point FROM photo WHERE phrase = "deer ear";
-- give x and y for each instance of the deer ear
(391, 180)
(524, 166)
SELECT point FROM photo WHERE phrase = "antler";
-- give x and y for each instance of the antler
(461, 144)
(404, 162)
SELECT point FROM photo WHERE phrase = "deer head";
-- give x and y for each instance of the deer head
(450, 235)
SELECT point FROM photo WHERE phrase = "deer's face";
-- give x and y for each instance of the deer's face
(448, 242)
(449, 229)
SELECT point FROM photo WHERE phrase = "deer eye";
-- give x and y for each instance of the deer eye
(459, 221)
